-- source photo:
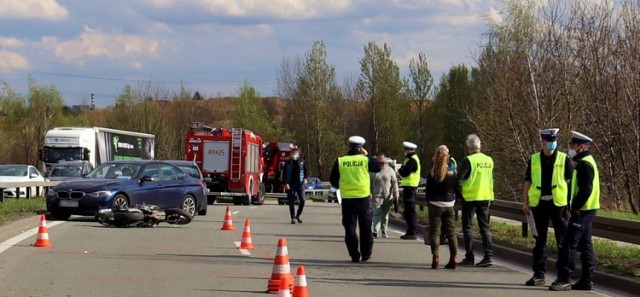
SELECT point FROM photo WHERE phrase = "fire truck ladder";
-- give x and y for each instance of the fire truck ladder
(236, 154)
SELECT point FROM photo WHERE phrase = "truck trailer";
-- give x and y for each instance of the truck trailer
(95, 144)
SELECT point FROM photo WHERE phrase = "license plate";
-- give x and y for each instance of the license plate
(68, 203)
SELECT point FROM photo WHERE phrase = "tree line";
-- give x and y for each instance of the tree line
(573, 65)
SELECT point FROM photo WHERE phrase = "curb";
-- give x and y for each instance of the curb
(610, 281)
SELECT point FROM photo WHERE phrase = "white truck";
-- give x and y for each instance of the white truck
(96, 145)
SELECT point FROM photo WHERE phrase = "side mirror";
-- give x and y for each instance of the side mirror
(33, 175)
(85, 154)
(146, 178)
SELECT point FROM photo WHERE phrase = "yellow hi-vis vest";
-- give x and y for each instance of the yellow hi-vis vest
(354, 176)
(594, 199)
(413, 180)
(559, 186)
(479, 185)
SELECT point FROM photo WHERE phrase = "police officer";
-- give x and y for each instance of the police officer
(350, 174)
(584, 203)
(545, 193)
(476, 180)
(410, 172)
(295, 177)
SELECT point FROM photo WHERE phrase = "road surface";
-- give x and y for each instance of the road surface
(199, 259)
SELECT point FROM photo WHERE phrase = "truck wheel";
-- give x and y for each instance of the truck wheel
(237, 201)
(259, 199)
(246, 200)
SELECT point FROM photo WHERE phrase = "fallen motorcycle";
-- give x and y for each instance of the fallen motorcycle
(142, 216)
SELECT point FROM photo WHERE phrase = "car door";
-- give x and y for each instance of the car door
(148, 192)
(173, 184)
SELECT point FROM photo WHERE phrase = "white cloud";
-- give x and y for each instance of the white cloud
(48, 10)
(10, 42)
(281, 9)
(94, 44)
(10, 61)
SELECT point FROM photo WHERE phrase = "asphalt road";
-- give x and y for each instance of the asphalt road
(199, 259)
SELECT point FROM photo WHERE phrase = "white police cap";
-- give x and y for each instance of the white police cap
(577, 137)
(409, 145)
(549, 134)
(357, 140)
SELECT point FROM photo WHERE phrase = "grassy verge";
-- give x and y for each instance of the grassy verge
(12, 209)
(610, 257)
(619, 215)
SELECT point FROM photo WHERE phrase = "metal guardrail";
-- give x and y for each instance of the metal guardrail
(39, 185)
(615, 229)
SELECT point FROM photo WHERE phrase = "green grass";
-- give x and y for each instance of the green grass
(610, 257)
(12, 209)
(619, 215)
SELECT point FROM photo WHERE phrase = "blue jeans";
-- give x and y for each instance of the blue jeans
(291, 195)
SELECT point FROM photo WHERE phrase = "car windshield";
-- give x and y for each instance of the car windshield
(190, 170)
(115, 171)
(66, 170)
(13, 170)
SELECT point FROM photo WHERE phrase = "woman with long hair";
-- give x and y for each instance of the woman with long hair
(440, 192)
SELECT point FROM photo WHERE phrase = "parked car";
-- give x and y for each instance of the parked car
(66, 170)
(19, 173)
(127, 183)
(192, 169)
(314, 183)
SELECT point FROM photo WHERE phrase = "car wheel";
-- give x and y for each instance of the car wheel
(120, 201)
(60, 215)
(189, 205)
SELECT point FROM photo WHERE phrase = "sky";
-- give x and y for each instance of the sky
(214, 46)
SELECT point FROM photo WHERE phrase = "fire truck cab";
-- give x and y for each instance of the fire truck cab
(275, 155)
(230, 160)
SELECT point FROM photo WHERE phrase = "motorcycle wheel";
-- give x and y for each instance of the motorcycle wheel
(178, 216)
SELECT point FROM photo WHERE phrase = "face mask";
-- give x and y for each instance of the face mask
(572, 153)
(295, 157)
(551, 146)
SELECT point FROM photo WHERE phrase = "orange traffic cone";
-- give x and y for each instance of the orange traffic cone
(300, 287)
(281, 268)
(246, 242)
(227, 225)
(43, 235)
(283, 290)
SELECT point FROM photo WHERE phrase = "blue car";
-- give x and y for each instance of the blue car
(128, 183)
(314, 183)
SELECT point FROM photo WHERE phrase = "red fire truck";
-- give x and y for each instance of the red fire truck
(275, 155)
(230, 160)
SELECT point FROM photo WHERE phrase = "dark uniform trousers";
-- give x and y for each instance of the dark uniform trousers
(410, 217)
(578, 237)
(481, 210)
(357, 212)
(542, 213)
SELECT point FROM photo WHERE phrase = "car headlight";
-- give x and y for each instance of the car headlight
(99, 194)
(51, 192)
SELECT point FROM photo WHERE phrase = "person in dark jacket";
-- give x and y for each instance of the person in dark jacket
(295, 177)
(440, 192)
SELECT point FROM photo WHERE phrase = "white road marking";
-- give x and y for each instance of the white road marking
(252, 207)
(5, 245)
(242, 251)
(235, 212)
